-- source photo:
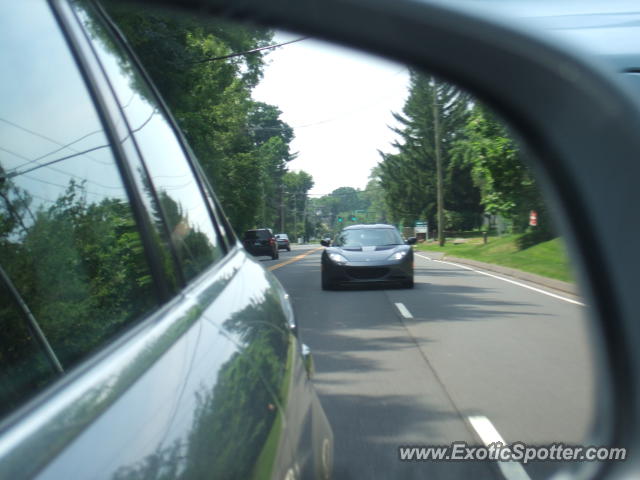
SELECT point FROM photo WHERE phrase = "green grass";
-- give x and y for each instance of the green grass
(548, 259)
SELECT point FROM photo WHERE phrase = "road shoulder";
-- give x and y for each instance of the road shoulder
(554, 284)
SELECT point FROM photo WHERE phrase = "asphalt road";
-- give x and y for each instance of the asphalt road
(398, 367)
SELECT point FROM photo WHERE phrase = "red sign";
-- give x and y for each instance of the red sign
(533, 218)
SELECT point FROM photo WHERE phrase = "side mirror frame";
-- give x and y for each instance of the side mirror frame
(411, 241)
(325, 243)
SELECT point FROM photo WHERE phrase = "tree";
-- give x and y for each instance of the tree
(506, 184)
(373, 198)
(296, 186)
(242, 145)
(419, 179)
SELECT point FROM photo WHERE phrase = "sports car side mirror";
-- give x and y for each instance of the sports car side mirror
(325, 243)
(411, 240)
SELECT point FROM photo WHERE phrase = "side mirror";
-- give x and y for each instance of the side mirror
(325, 243)
(411, 240)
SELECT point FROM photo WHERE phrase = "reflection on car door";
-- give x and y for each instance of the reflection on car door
(199, 386)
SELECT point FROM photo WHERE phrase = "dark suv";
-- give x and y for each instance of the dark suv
(261, 242)
(138, 339)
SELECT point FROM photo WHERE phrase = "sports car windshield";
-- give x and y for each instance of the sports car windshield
(368, 237)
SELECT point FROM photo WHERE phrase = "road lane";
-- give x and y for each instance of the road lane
(284, 255)
(475, 346)
(521, 357)
(372, 381)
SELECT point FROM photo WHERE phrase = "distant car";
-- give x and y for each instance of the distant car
(368, 254)
(261, 242)
(283, 241)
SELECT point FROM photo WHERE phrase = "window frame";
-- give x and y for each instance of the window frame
(189, 156)
(30, 432)
(160, 295)
(87, 67)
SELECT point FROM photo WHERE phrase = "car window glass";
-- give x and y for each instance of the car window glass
(72, 261)
(257, 235)
(174, 192)
(368, 237)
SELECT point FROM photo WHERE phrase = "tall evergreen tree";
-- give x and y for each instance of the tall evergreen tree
(418, 179)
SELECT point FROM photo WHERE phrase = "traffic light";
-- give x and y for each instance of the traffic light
(353, 218)
(339, 219)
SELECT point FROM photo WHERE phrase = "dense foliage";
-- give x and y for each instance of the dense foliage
(507, 185)
(80, 266)
(242, 144)
(483, 171)
(453, 165)
(409, 177)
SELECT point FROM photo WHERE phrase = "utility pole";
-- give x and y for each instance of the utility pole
(282, 208)
(304, 218)
(295, 215)
(438, 155)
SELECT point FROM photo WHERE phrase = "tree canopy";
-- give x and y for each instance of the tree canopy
(242, 144)
(409, 177)
(483, 169)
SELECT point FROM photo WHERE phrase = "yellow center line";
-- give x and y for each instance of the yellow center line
(294, 259)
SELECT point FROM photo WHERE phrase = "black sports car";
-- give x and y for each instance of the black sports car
(368, 254)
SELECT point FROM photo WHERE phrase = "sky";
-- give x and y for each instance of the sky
(339, 103)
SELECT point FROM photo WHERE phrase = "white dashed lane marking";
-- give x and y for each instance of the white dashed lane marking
(403, 310)
(489, 435)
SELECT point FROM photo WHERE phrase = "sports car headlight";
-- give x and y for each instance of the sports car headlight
(337, 258)
(398, 255)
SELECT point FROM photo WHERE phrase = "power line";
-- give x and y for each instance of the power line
(247, 52)
(59, 149)
(12, 173)
(44, 137)
(37, 167)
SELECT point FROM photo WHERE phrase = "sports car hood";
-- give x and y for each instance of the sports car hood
(368, 254)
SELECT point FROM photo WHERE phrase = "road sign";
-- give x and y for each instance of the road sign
(422, 227)
(533, 218)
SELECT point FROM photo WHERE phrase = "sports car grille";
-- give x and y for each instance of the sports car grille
(366, 273)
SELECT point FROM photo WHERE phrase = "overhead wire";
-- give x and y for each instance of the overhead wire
(246, 52)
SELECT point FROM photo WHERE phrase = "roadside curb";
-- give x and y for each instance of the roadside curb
(510, 272)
